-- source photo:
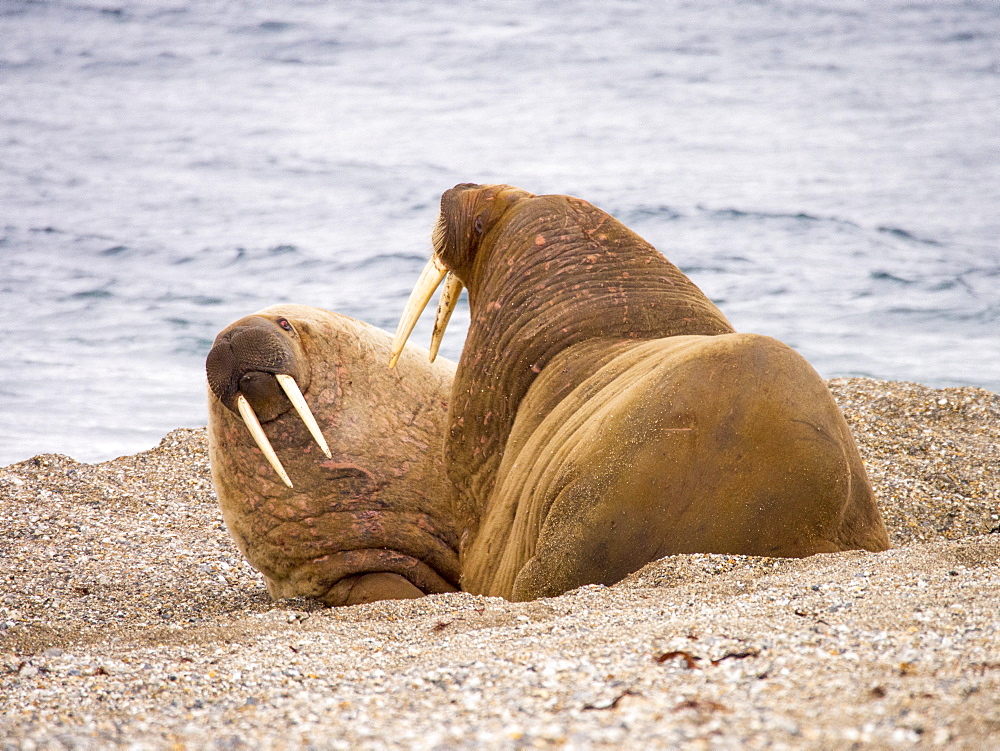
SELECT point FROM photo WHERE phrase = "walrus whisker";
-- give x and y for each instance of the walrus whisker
(446, 306)
(294, 394)
(253, 424)
(422, 292)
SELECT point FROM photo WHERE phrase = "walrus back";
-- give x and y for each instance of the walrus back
(725, 444)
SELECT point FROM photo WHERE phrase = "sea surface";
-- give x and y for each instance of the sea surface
(827, 172)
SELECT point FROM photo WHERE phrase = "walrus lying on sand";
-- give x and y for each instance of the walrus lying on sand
(369, 517)
(604, 414)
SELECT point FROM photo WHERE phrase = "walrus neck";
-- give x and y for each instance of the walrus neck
(554, 273)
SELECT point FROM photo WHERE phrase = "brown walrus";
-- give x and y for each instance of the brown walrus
(368, 517)
(605, 414)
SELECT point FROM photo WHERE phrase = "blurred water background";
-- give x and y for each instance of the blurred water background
(828, 172)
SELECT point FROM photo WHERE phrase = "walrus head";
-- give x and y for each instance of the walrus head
(468, 213)
(372, 518)
(257, 371)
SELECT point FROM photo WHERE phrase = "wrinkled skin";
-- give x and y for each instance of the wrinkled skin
(605, 414)
(373, 522)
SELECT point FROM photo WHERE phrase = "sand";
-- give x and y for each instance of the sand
(128, 619)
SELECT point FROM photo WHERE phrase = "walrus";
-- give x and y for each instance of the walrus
(328, 467)
(604, 413)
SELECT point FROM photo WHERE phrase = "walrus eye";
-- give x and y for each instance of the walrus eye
(478, 226)
(283, 322)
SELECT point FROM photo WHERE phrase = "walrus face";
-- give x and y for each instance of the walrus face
(258, 370)
(468, 213)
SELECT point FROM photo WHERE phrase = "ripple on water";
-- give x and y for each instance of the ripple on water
(885, 276)
(902, 234)
(98, 293)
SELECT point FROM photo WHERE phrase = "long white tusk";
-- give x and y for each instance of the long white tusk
(298, 401)
(446, 306)
(422, 292)
(258, 435)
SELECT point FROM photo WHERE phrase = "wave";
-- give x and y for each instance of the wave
(909, 236)
(383, 259)
(100, 293)
(731, 213)
(640, 212)
(885, 276)
(199, 300)
(734, 213)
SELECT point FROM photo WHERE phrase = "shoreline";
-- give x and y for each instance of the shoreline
(128, 618)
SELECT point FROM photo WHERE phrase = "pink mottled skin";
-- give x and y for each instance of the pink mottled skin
(373, 522)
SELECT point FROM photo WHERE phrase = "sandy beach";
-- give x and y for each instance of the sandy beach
(128, 619)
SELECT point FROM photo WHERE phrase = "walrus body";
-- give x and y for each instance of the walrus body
(689, 444)
(375, 519)
(604, 413)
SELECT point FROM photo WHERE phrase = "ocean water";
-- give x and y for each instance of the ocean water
(828, 172)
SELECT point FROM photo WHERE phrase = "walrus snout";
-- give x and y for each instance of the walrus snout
(257, 370)
(255, 345)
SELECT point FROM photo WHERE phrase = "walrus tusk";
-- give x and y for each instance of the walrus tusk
(422, 292)
(291, 389)
(250, 418)
(446, 306)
